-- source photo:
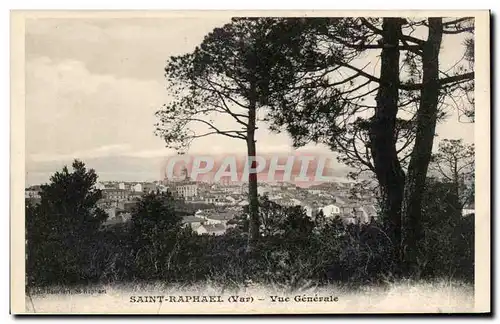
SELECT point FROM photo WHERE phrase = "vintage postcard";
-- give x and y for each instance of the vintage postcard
(250, 162)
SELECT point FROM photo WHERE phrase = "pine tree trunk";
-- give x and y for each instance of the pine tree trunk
(389, 173)
(253, 203)
(421, 155)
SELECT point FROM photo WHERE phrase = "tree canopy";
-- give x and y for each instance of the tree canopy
(60, 230)
(383, 120)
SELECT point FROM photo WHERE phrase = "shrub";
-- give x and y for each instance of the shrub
(447, 249)
(62, 229)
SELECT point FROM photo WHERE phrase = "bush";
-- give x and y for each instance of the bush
(447, 249)
(62, 230)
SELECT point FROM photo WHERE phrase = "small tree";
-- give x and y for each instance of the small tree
(155, 226)
(448, 245)
(454, 163)
(62, 229)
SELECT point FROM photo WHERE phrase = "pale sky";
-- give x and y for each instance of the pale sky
(93, 86)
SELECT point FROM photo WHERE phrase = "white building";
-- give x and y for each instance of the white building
(163, 188)
(115, 194)
(111, 211)
(231, 199)
(193, 221)
(468, 209)
(215, 229)
(315, 191)
(309, 210)
(186, 189)
(124, 186)
(330, 210)
(263, 190)
(212, 217)
(100, 186)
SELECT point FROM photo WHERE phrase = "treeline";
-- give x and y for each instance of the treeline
(366, 87)
(67, 244)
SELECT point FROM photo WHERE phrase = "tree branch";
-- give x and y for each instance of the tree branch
(227, 109)
(456, 78)
(371, 26)
(456, 21)
(459, 30)
(412, 39)
(217, 131)
(413, 48)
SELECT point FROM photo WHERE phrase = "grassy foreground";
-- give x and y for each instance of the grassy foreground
(440, 296)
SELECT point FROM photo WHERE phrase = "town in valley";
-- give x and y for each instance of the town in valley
(211, 208)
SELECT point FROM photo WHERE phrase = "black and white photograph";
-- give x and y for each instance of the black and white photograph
(218, 162)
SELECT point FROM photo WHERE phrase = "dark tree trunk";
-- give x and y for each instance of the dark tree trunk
(457, 185)
(253, 203)
(421, 154)
(389, 173)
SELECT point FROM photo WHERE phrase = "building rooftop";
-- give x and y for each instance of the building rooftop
(192, 219)
(215, 228)
(114, 190)
(215, 215)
